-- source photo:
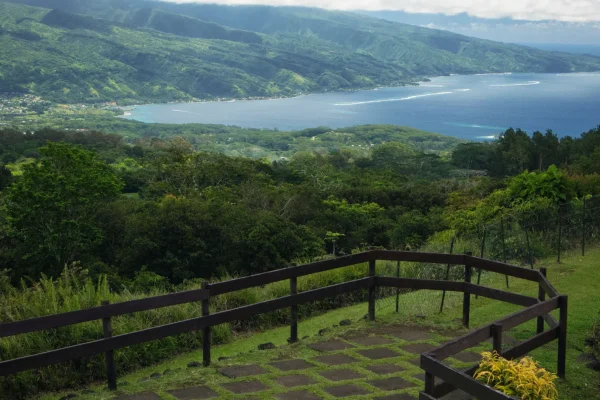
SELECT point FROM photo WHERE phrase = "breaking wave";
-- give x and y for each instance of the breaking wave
(391, 100)
(518, 84)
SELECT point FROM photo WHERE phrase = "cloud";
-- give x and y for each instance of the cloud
(561, 10)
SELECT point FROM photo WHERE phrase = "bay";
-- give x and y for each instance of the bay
(474, 107)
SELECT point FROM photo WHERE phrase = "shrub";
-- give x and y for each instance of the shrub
(524, 379)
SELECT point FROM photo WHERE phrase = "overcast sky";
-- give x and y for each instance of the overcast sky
(562, 10)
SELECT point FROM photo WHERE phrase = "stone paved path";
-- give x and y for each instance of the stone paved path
(377, 363)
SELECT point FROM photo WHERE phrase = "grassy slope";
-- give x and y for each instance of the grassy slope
(172, 53)
(575, 277)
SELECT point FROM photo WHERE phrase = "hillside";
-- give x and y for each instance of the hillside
(138, 51)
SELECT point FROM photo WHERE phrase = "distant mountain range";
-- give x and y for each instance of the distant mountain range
(141, 50)
(582, 36)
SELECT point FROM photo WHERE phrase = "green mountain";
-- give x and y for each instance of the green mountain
(139, 50)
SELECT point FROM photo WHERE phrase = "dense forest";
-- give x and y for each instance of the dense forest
(90, 51)
(162, 206)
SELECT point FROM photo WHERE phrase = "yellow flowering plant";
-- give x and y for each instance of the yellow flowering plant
(523, 379)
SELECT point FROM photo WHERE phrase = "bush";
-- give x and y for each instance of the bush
(524, 379)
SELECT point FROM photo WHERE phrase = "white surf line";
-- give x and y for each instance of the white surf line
(431, 85)
(390, 100)
(495, 73)
(184, 111)
(518, 84)
(462, 90)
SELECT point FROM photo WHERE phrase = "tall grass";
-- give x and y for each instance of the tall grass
(75, 290)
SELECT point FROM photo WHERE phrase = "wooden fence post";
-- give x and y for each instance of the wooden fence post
(481, 254)
(466, 295)
(372, 290)
(429, 383)
(293, 312)
(111, 372)
(529, 253)
(583, 228)
(398, 289)
(447, 274)
(497, 338)
(206, 332)
(541, 297)
(562, 337)
(503, 245)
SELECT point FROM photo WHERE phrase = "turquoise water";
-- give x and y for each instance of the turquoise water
(471, 107)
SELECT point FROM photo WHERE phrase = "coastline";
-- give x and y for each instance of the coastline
(421, 82)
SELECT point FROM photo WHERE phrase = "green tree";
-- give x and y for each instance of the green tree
(51, 209)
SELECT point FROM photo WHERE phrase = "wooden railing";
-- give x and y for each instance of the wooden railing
(430, 362)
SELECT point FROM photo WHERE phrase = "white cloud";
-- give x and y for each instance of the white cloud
(562, 10)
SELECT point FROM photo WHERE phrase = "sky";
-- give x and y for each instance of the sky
(534, 10)
(513, 21)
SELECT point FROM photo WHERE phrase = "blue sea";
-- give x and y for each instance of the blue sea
(475, 107)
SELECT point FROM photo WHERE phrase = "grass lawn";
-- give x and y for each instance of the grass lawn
(575, 276)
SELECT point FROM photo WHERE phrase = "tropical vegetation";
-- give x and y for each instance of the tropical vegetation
(90, 51)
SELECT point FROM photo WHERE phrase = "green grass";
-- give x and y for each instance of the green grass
(575, 277)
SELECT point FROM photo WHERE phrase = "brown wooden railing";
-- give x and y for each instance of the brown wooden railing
(430, 361)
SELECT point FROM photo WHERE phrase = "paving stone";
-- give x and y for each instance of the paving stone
(330, 345)
(346, 390)
(139, 396)
(297, 395)
(409, 334)
(391, 384)
(194, 393)
(341, 374)
(384, 369)
(418, 348)
(378, 354)
(416, 362)
(289, 381)
(335, 359)
(238, 371)
(396, 397)
(468, 357)
(244, 387)
(421, 376)
(292, 365)
(371, 340)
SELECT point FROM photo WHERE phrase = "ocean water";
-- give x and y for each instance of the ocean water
(475, 107)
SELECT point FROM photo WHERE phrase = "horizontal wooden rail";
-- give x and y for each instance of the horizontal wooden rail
(479, 335)
(96, 313)
(288, 273)
(547, 286)
(531, 344)
(502, 268)
(529, 313)
(461, 380)
(502, 295)
(159, 332)
(433, 258)
(421, 284)
(459, 344)
(519, 350)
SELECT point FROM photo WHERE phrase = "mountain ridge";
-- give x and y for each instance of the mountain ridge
(148, 51)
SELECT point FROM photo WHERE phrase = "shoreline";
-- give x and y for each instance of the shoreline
(423, 80)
